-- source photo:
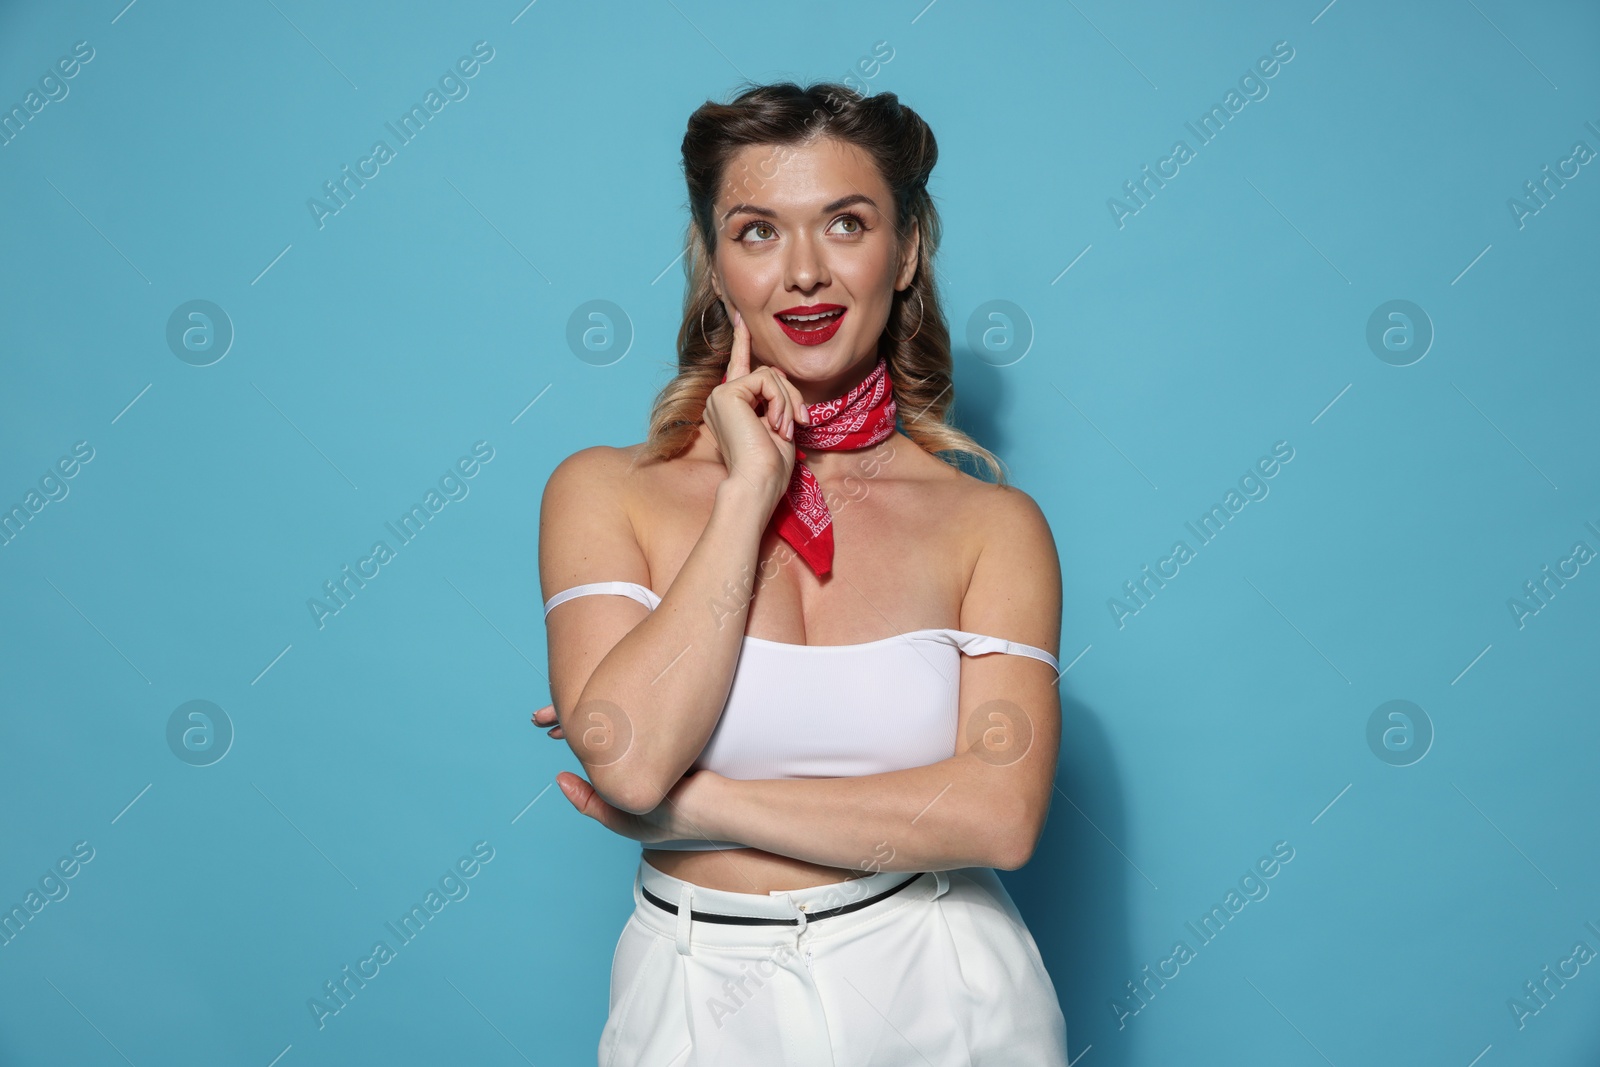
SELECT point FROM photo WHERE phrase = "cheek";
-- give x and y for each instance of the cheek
(867, 278)
(753, 288)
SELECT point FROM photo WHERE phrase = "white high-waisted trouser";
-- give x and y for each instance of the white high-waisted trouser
(943, 971)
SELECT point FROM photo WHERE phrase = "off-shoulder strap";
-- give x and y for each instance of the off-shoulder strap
(643, 594)
(979, 644)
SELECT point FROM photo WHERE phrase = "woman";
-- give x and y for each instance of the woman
(798, 714)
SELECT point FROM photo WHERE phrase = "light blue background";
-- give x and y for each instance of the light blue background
(1228, 314)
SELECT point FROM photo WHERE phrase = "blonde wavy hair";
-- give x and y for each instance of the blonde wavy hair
(903, 147)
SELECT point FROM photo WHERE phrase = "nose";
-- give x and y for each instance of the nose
(806, 268)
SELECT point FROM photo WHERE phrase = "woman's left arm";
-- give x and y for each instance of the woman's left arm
(984, 806)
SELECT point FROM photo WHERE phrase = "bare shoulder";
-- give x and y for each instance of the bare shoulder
(599, 460)
(585, 524)
(1014, 590)
(1008, 510)
(587, 477)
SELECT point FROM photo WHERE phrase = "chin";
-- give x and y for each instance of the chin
(817, 365)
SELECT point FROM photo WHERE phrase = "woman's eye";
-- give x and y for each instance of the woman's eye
(853, 224)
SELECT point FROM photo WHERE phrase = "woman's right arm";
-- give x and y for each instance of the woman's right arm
(639, 692)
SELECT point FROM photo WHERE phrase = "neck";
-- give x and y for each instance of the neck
(835, 464)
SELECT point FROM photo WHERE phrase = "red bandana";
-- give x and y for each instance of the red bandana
(863, 416)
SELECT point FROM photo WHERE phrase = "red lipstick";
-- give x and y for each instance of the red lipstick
(816, 322)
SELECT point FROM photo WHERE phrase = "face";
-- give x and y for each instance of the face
(803, 230)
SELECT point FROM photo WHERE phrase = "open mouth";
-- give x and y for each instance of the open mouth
(811, 325)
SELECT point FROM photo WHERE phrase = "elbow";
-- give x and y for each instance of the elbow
(627, 791)
(1016, 842)
(1013, 857)
(605, 748)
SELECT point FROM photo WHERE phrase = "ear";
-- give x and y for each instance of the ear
(908, 260)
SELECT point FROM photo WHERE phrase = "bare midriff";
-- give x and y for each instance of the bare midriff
(904, 548)
(745, 870)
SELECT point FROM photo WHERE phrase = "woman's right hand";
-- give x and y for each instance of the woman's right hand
(757, 446)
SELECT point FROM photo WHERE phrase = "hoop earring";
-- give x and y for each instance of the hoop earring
(920, 311)
(703, 333)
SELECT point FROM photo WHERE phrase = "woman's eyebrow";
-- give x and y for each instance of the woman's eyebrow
(843, 201)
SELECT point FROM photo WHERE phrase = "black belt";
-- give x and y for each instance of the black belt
(754, 920)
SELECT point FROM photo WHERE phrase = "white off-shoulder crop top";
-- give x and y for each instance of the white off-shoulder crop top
(832, 711)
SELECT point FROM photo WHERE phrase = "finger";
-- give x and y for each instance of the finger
(545, 715)
(766, 388)
(797, 404)
(556, 733)
(788, 405)
(739, 360)
(779, 413)
(585, 799)
(589, 802)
